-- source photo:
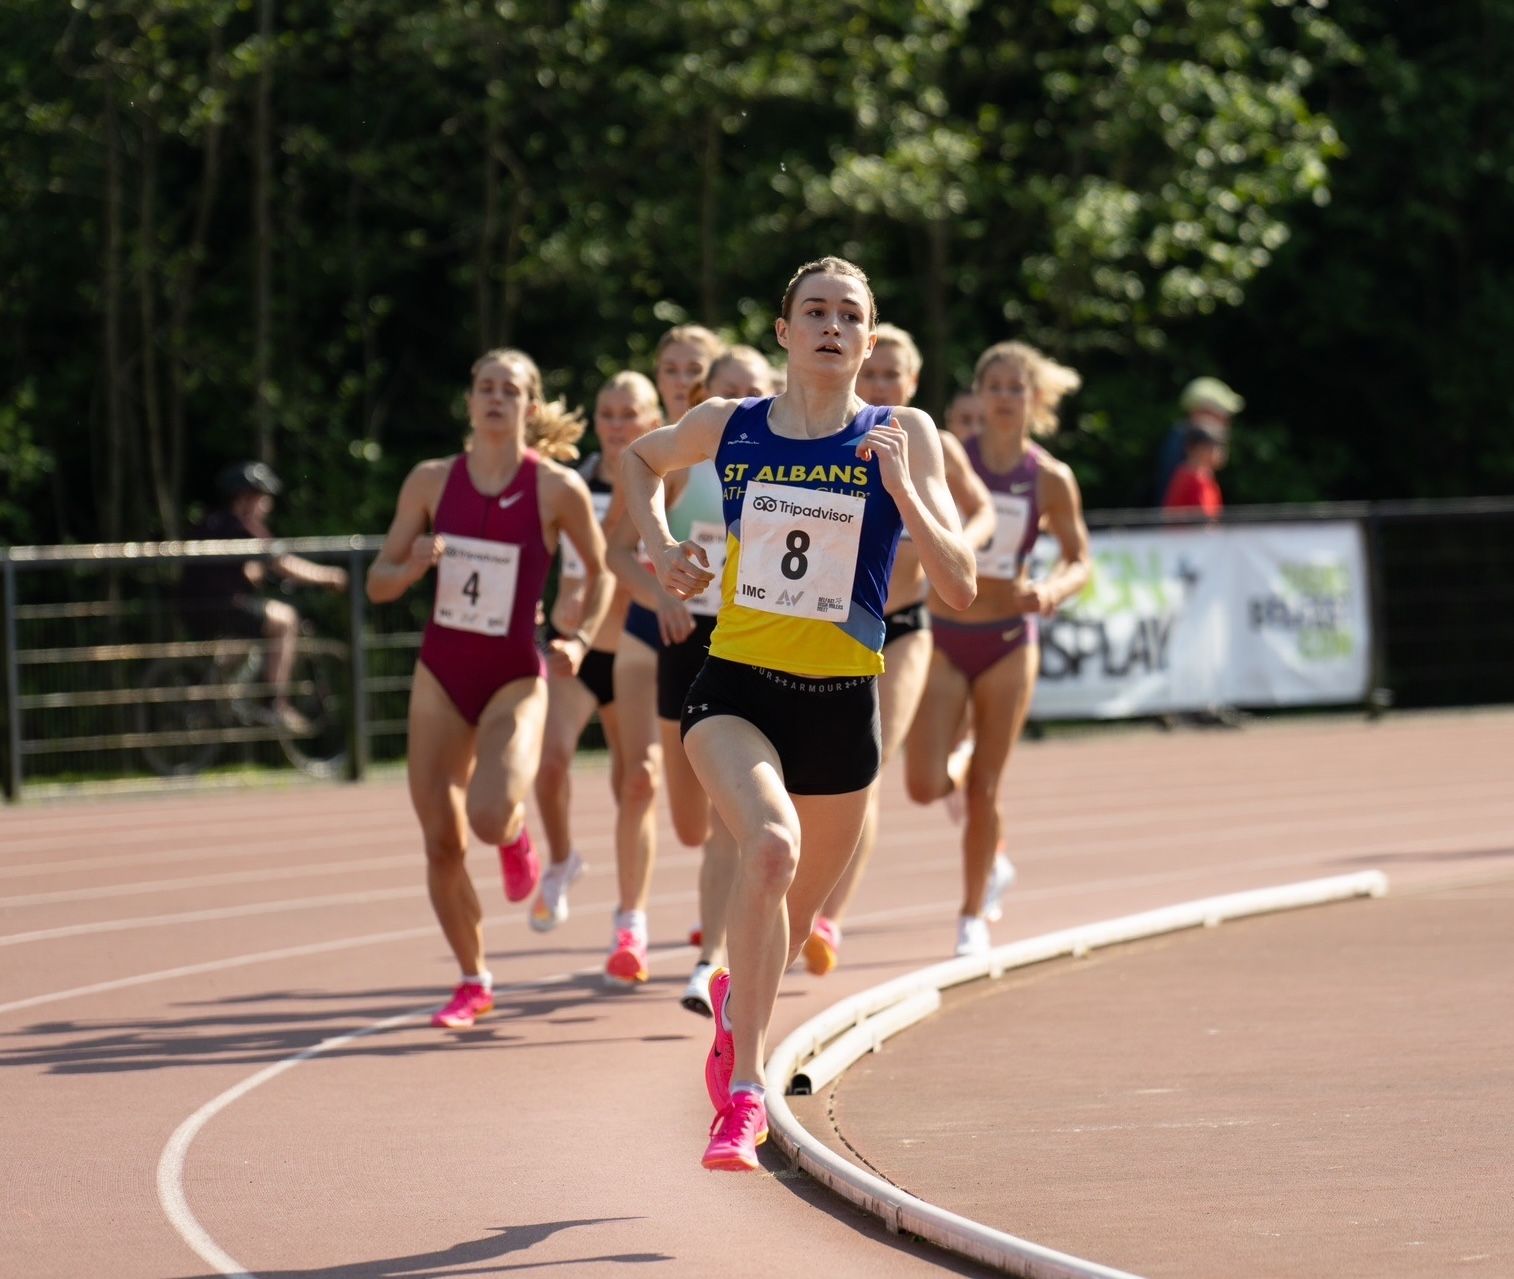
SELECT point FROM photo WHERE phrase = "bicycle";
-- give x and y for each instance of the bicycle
(201, 697)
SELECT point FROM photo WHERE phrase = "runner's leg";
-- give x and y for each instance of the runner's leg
(438, 762)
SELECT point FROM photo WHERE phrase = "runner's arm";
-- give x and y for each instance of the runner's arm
(1063, 505)
(410, 547)
(571, 510)
(968, 492)
(908, 449)
(683, 568)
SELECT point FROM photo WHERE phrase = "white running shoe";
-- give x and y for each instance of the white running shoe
(972, 936)
(696, 995)
(551, 905)
(1000, 876)
(957, 764)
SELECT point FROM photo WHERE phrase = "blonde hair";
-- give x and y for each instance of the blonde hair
(738, 354)
(1049, 380)
(893, 335)
(638, 384)
(695, 335)
(555, 429)
(830, 266)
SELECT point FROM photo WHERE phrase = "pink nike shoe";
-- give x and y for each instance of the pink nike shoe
(721, 1063)
(470, 1001)
(521, 866)
(627, 963)
(736, 1133)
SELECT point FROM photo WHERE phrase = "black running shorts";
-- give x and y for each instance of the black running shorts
(678, 664)
(826, 731)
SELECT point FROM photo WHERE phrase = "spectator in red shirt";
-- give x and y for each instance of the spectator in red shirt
(1193, 485)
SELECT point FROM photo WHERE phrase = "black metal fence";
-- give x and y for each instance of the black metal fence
(107, 675)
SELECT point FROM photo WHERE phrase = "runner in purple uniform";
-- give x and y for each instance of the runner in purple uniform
(987, 655)
(489, 520)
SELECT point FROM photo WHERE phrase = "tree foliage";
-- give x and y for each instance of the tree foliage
(240, 226)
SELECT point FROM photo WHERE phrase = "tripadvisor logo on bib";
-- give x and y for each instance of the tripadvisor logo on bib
(766, 503)
(1314, 603)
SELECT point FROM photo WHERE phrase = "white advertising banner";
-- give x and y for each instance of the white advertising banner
(1188, 617)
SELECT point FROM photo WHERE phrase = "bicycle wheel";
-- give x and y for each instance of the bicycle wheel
(318, 692)
(180, 730)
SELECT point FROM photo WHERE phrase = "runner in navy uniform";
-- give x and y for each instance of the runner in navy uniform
(781, 725)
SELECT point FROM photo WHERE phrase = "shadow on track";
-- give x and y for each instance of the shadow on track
(262, 1029)
(500, 1242)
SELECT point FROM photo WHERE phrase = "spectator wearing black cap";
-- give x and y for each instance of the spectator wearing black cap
(1207, 403)
(222, 598)
(1193, 486)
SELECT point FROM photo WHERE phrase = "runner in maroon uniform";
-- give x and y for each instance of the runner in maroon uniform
(489, 519)
(987, 655)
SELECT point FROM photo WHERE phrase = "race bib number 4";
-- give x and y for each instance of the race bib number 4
(475, 585)
(712, 538)
(799, 551)
(1001, 557)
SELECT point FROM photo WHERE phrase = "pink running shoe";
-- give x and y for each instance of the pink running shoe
(627, 963)
(469, 1002)
(521, 866)
(822, 948)
(721, 1063)
(736, 1133)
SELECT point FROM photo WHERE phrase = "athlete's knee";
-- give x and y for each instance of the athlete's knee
(280, 619)
(691, 822)
(446, 846)
(925, 781)
(491, 815)
(772, 856)
(638, 783)
(552, 771)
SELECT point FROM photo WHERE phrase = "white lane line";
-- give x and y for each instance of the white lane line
(286, 952)
(144, 888)
(217, 965)
(171, 1193)
(201, 916)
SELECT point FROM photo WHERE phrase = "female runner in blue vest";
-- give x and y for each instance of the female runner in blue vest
(781, 725)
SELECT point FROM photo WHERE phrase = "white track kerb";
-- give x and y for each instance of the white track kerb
(826, 1045)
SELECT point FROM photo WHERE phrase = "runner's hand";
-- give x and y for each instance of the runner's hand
(684, 570)
(565, 654)
(674, 621)
(1033, 597)
(890, 445)
(424, 552)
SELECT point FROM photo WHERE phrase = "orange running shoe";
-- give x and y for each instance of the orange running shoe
(822, 948)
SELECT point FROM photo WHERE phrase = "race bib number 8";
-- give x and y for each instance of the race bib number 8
(475, 585)
(1001, 557)
(799, 551)
(712, 538)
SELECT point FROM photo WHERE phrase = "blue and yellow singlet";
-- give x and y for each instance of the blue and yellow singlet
(810, 540)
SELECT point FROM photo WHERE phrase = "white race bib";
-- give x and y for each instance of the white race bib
(799, 551)
(712, 538)
(475, 585)
(1001, 557)
(572, 561)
